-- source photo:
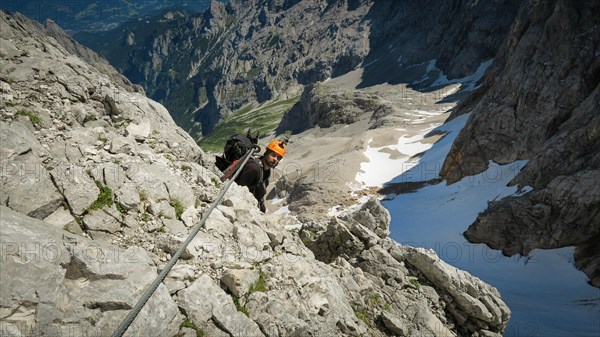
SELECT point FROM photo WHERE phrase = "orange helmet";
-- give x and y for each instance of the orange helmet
(277, 147)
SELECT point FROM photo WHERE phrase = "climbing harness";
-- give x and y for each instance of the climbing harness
(154, 285)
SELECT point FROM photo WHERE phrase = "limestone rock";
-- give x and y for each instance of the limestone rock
(336, 240)
(239, 281)
(101, 221)
(62, 277)
(128, 196)
(204, 300)
(138, 132)
(190, 216)
(25, 183)
(475, 298)
(161, 183)
(394, 324)
(175, 226)
(60, 218)
(171, 243)
(77, 186)
(373, 216)
(121, 144)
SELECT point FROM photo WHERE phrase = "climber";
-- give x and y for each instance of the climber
(255, 175)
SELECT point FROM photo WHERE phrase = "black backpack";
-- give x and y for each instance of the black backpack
(235, 148)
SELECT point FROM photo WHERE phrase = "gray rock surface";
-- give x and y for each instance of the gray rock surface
(539, 102)
(324, 106)
(25, 183)
(52, 279)
(55, 281)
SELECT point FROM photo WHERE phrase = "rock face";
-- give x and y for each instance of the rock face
(202, 67)
(55, 283)
(540, 102)
(324, 106)
(101, 187)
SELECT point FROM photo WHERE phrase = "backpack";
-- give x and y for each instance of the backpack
(235, 148)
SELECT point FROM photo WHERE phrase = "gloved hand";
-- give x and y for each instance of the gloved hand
(261, 206)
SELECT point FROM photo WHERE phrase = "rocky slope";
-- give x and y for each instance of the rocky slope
(540, 101)
(99, 187)
(204, 67)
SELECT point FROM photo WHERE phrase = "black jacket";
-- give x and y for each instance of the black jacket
(255, 178)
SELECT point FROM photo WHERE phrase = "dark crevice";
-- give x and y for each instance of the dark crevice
(108, 306)
(77, 269)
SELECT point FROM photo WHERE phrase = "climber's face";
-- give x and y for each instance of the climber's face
(271, 159)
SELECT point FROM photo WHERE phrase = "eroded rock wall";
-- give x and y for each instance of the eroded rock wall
(540, 101)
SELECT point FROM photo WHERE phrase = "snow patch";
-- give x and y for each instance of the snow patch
(429, 165)
(469, 81)
(387, 162)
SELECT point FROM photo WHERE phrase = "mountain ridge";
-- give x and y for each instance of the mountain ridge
(267, 51)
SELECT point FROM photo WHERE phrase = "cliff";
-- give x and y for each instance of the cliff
(539, 101)
(205, 67)
(99, 187)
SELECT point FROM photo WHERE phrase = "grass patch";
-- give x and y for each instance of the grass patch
(105, 198)
(33, 117)
(178, 207)
(263, 119)
(120, 207)
(415, 283)
(260, 285)
(103, 139)
(239, 307)
(374, 300)
(186, 167)
(187, 323)
(274, 40)
(363, 315)
(252, 72)
(216, 182)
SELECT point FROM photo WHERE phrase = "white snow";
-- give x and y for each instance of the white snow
(442, 205)
(538, 288)
(429, 165)
(470, 81)
(381, 168)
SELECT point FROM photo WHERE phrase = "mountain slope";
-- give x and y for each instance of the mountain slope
(203, 68)
(540, 102)
(96, 16)
(99, 187)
